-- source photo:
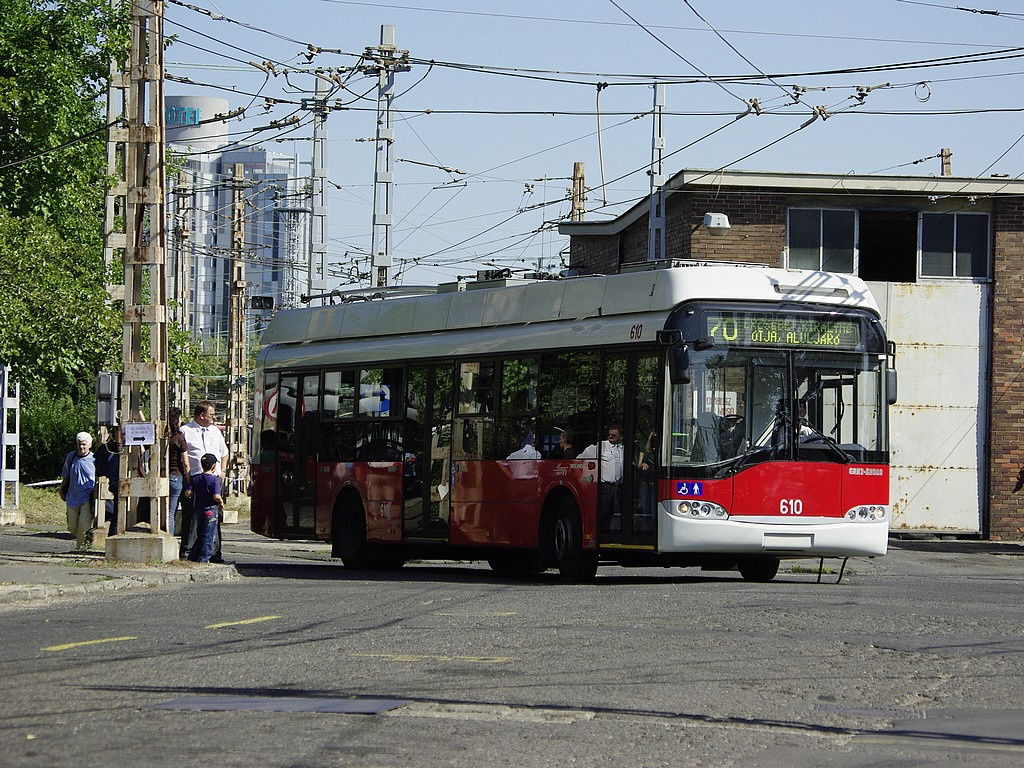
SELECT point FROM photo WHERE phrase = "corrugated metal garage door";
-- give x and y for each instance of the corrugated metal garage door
(938, 429)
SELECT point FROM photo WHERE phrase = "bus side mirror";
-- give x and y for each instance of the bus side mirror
(678, 353)
(670, 337)
(679, 365)
(703, 344)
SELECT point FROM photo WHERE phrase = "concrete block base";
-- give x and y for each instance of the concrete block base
(12, 517)
(142, 547)
(96, 538)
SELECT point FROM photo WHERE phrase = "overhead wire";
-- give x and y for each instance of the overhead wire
(942, 61)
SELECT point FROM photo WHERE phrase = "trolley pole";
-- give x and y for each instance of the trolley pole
(144, 343)
(237, 347)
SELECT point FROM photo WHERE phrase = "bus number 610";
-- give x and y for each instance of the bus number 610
(791, 506)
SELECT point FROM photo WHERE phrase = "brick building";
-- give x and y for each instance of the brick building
(945, 259)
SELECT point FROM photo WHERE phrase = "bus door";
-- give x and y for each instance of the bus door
(297, 428)
(426, 465)
(631, 400)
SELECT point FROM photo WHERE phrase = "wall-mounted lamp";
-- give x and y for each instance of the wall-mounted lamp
(716, 224)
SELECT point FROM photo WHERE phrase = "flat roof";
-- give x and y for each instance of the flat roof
(865, 184)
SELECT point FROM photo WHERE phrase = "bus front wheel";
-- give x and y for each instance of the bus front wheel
(564, 544)
(348, 535)
(758, 568)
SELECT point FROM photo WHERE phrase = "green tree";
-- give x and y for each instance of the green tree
(56, 328)
(54, 62)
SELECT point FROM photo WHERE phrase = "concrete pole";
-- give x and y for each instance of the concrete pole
(656, 226)
(145, 374)
(238, 390)
(316, 281)
(388, 60)
(578, 201)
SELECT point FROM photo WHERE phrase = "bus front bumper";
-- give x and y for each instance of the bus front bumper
(809, 537)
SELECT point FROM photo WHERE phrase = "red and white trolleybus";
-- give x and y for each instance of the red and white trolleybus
(711, 415)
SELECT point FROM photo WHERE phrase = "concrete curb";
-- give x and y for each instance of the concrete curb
(14, 593)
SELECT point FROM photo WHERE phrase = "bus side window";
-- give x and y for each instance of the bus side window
(517, 426)
(567, 392)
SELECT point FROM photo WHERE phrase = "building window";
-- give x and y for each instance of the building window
(821, 238)
(954, 245)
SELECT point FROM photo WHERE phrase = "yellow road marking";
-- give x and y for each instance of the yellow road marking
(66, 646)
(414, 657)
(257, 620)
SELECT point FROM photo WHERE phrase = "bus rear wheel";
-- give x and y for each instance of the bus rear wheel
(563, 539)
(758, 568)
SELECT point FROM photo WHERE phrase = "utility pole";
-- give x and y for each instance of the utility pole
(145, 297)
(578, 200)
(237, 346)
(114, 232)
(656, 227)
(947, 161)
(182, 264)
(316, 280)
(387, 61)
(115, 239)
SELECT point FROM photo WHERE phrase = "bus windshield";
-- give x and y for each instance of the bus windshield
(747, 406)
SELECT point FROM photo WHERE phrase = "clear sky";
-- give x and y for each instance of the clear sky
(503, 98)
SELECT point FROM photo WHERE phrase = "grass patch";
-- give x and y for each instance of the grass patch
(42, 506)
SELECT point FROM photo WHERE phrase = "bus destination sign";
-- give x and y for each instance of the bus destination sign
(779, 329)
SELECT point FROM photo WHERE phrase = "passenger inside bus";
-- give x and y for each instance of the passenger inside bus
(528, 451)
(565, 448)
(609, 490)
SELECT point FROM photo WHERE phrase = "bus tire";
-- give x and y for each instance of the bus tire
(348, 534)
(758, 568)
(563, 543)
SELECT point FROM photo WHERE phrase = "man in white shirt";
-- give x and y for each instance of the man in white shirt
(609, 490)
(202, 436)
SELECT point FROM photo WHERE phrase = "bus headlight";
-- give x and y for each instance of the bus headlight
(867, 513)
(702, 509)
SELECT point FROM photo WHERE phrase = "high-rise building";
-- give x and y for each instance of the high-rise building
(202, 155)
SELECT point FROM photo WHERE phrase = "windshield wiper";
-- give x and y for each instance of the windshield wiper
(736, 463)
(817, 436)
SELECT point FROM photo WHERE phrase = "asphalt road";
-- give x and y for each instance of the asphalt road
(914, 659)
